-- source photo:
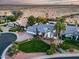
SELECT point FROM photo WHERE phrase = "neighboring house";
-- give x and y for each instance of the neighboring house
(72, 31)
(22, 21)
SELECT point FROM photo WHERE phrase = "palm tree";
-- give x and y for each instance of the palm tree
(76, 24)
(60, 27)
(37, 32)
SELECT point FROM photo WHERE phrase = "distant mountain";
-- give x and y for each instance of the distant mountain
(48, 2)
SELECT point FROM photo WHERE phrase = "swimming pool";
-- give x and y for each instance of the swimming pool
(5, 40)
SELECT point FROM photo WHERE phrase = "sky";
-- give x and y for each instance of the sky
(39, 1)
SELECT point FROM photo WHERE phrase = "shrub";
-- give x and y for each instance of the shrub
(10, 18)
(31, 20)
(67, 44)
(0, 30)
(71, 50)
(13, 50)
(14, 29)
(17, 13)
(51, 50)
(2, 21)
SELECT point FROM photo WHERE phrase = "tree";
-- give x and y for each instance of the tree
(76, 23)
(52, 49)
(10, 18)
(17, 13)
(17, 28)
(31, 20)
(37, 32)
(0, 30)
(60, 27)
(14, 49)
(40, 19)
(61, 19)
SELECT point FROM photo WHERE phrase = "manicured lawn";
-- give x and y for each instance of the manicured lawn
(67, 44)
(35, 45)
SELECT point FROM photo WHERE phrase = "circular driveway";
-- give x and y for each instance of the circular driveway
(5, 40)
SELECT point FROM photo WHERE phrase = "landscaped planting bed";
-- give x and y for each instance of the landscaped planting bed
(16, 29)
(0, 30)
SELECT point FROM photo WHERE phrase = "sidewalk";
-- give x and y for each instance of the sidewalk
(22, 55)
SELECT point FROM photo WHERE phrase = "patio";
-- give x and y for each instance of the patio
(21, 36)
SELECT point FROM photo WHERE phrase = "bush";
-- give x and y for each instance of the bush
(16, 29)
(2, 21)
(71, 50)
(10, 18)
(51, 50)
(17, 13)
(13, 50)
(41, 19)
(1, 30)
(67, 44)
(13, 30)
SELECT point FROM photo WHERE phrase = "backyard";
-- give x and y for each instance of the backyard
(69, 44)
(35, 45)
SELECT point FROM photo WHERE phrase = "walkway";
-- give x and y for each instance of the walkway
(46, 41)
(22, 55)
(54, 41)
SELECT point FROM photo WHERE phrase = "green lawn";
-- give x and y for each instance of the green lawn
(35, 45)
(67, 44)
